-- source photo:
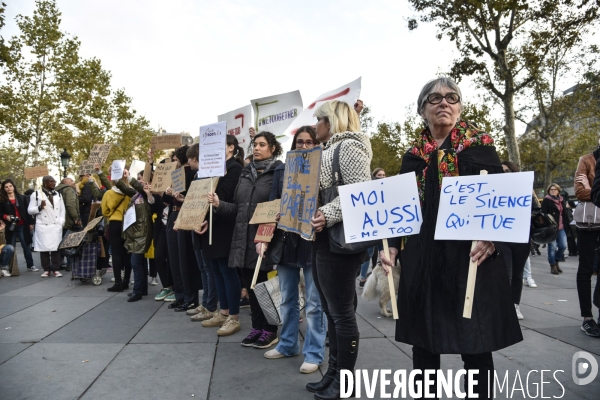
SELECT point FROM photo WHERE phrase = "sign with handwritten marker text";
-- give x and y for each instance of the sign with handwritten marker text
(300, 191)
(99, 153)
(381, 209)
(485, 207)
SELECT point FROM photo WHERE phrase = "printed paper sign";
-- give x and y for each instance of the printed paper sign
(266, 212)
(178, 180)
(265, 233)
(136, 167)
(238, 124)
(276, 113)
(162, 177)
(485, 207)
(129, 218)
(348, 93)
(116, 169)
(213, 139)
(381, 209)
(195, 206)
(36, 172)
(86, 168)
(165, 142)
(99, 154)
(73, 239)
(300, 191)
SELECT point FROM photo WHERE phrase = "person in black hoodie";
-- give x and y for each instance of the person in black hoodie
(13, 205)
(254, 187)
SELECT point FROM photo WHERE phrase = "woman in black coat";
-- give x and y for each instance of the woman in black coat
(12, 205)
(254, 187)
(556, 206)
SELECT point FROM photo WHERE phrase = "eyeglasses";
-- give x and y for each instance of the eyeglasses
(436, 98)
(301, 143)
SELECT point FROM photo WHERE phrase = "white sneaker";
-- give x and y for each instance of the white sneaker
(5, 272)
(57, 274)
(33, 269)
(112, 279)
(519, 315)
(308, 368)
(531, 282)
(273, 354)
(154, 282)
(45, 274)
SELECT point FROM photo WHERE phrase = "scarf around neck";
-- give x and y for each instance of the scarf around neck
(261, 165)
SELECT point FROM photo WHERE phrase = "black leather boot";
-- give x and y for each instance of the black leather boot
(324, 383)
(347, 352)
(115, 288)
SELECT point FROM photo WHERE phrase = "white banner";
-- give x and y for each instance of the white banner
(381, 208)
(238, 124)
(276, 113)
(136, 167)
(213, 139)
(486, 207)
(129, 218)
(116, 169)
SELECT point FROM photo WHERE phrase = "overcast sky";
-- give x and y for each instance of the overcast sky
(184, 62)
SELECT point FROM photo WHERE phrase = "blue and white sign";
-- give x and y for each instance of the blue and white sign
(212, 158)
(486, 207)
(381, 209)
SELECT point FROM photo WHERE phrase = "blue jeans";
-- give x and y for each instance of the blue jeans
(227, 283)
(140, 274)
(527, 270)
(19, 231)
(561, 242)
(6, 255)
(365, 266)
(314, 341)
(209, 292)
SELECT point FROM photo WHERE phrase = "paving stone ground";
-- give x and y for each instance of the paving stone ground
(63, 339)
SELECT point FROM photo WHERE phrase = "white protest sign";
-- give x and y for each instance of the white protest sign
(348, 93)
(276, 113)
(116, 169)
(136, 167)
(485, 207)
(213, 139)
(238, 124)
(381, 209)
(129, 218)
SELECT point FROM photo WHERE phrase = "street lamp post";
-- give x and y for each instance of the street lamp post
(64, 159)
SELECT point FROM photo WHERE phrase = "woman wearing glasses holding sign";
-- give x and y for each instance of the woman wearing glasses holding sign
(433, 283)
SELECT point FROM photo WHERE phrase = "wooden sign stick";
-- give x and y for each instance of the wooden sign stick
(390, 276)
(210, 216)
(257, 268)
(468, 308)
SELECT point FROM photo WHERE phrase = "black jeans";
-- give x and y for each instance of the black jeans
(120, 259)
(50, 260)
(161, 260)
(515, 257)
(186, 276)
(334, 276)
(423, 359)
(588, 241)
(259, 321)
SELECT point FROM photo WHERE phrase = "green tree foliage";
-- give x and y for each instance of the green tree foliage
(387, 144)
(502, 44)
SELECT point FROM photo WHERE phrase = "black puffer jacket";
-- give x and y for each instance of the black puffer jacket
(248, 193)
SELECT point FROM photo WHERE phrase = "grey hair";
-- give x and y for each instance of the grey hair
(430, 88)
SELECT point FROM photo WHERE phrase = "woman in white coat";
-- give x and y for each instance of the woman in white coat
(47, 207)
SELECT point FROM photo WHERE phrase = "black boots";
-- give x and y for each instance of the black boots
(327, 378)
(347, 352)
(117, 287)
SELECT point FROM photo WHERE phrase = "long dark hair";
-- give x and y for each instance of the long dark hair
(238, 153)
(308, 129)
(271, 141)
(511, 165)
(3, 194)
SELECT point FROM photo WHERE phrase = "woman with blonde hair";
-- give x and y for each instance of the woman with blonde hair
(349, 150)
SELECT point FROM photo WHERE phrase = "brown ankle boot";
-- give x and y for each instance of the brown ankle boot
(558, 268)
(554, 269)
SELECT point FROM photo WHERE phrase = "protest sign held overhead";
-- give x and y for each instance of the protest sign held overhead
(86, 168)
(99, 153)
(36, 172)
(165, 142)
(276, 113)
(136, 167)
(238, 124)
(212, 159)
(162, 177)
(381, 209)
(116, 169)
(300, 191)
(485, 207)
(195, 206)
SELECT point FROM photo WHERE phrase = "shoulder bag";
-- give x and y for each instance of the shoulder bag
(587, 216)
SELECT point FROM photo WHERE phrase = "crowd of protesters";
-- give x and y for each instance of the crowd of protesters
(429, 296)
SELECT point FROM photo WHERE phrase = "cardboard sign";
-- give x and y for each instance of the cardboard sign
(136, 167)
(36, 172)
(99, 154)
(348, 93)
(72, 240)
(266, 212)
(238, 124)
(129, 218)
(165, 142)
(116, 169)
(381, 209)
(162, 177)
(147, 173)
(300, 191)
(86, 168)
(276, 113)
(95, 207)
(212, 150)
(195, 206)
(178, 180)
(265, 233)
(92, 224)
(485, 207)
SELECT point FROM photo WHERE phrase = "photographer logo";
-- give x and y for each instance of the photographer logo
(584, 367)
